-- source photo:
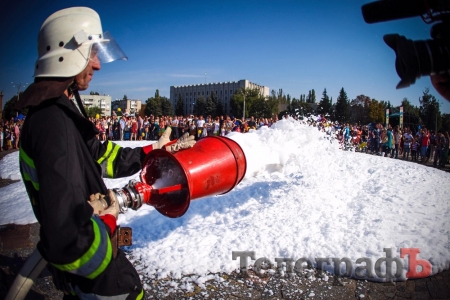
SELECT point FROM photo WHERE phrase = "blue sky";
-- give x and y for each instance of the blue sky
(293, 45)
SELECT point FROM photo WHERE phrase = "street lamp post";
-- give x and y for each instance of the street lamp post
(19, 86)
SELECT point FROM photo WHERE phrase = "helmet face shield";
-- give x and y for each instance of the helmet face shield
(106, 49)
(69, 38)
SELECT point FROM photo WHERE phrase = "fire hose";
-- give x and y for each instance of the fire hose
(169, 182)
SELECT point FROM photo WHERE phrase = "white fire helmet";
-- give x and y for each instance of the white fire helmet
(66, 40)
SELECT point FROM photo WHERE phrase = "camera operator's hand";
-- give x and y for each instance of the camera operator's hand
(441, 83)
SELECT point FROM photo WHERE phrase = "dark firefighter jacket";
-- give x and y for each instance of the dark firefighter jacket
(62, 163)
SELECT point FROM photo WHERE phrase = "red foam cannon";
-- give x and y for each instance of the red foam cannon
(213, 166)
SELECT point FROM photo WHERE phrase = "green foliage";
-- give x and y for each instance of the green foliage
(211, 105)
(342, 110)
(153, 107)
(324, 106)
(255, 103)
(376, 111)
(93, 111)
(429, 111)
(220, 110)
(125, 97)
(311, 96)
(359, 108)
(446, 123)
(200, 107)
(166, 106)
(158, 106)
(9, 110)
(94, 93)
(179, 110)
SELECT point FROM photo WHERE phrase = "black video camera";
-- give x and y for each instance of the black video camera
(415, 58)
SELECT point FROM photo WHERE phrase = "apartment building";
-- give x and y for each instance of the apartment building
(102, 101)
(223, 90)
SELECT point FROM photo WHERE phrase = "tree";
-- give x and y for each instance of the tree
(200, 107)
(125, 97)
(358, 109)
(324, 104)
(93, 111)
(153, 107)
(179, 109)
(220, 111)
(446, 122)
(255, 103)
(429, 110)
(9, 109)
(158, 106)
(94, 93)
(211, 105)
(342, 112)
(376, 111)
(166, 106)
(311, 98)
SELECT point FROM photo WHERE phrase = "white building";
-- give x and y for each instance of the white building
(102, 101)
(223, 91)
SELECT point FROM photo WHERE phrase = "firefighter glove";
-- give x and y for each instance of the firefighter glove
(98, 203)
(164, 139)
(113, 208)
(184, 142)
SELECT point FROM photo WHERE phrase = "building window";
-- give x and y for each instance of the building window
(207, 92)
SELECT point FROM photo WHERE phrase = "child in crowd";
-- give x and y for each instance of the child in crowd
(146, 134)
(222, 130)
(204, 131)
(414, 146)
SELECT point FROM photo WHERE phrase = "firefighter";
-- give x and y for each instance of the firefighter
(62, 162)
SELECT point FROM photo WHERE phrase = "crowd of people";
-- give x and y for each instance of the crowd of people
(422, 146)
(10, 134)
(395, 142)
(137, 128)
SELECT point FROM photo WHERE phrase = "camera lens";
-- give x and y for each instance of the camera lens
(418, 58)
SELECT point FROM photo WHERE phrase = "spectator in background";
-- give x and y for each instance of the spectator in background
(440, 145)
(181, 125)
(140, 124)
(216, 125)
(425, 143)
(123, 122)
(251, 123)
(385, 142)
(414, 147)
(134, 129)
(407, 140)
(17, 128)
(174, 124)
(199, 123)
(433, 144)
(116, 128)
(446, 149)
(397, 136)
